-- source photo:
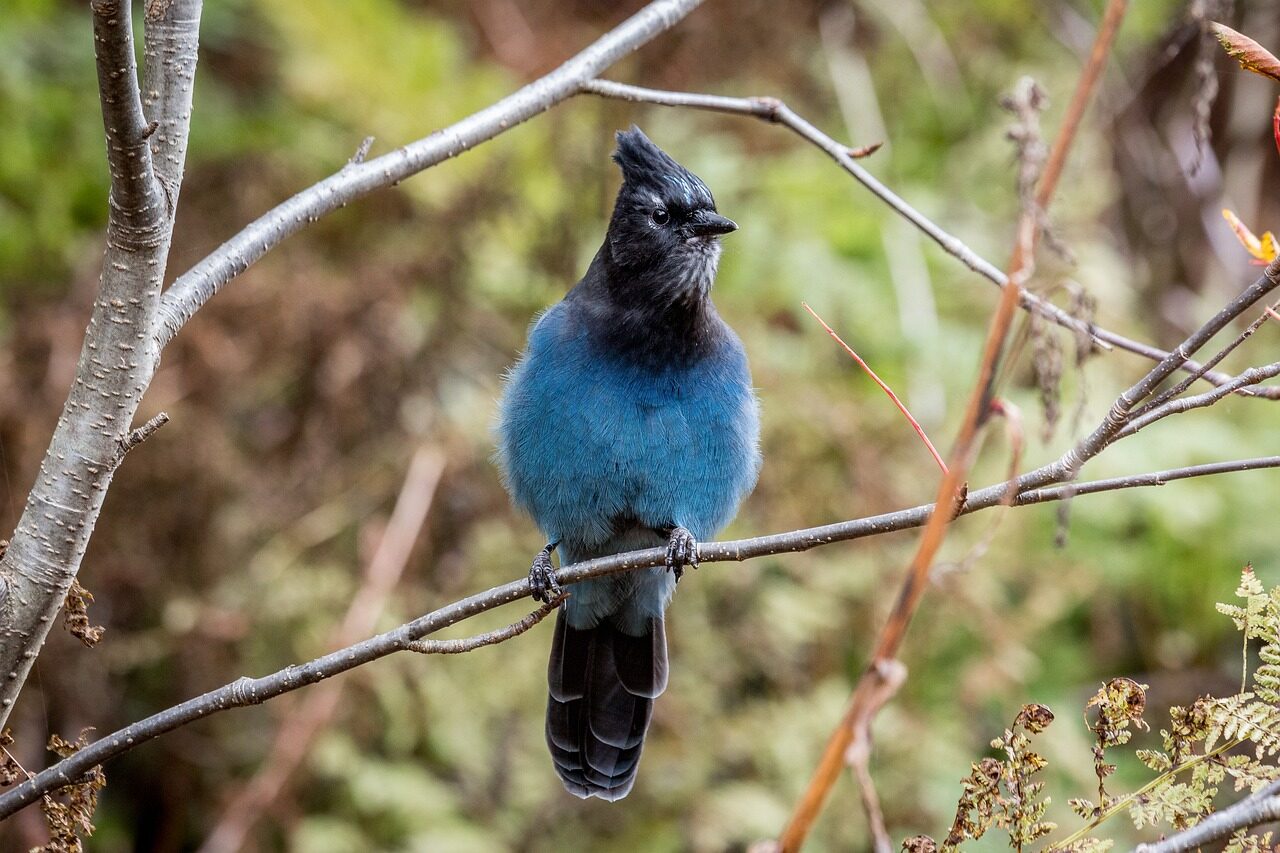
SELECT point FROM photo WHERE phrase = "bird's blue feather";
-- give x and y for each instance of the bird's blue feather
(603, 451)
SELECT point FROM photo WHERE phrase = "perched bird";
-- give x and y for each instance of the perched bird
(628, 422)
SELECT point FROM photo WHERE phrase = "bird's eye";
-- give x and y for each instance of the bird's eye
(660, 216)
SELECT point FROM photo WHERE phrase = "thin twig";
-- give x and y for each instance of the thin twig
(142, 433)
(489, 638)
(254, 691)
(361, 152)
(774, 111)
(1157, 478)
(1121, 412)
(1245, 380)
(1211, 363)
(937, 457)
(890, 676)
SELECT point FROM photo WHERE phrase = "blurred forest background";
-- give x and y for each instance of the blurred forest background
(233, 542)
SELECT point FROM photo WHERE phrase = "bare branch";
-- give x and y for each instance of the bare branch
(1118, 418)
(142, 433)
(1245, 380)
(253, 691)
(195, 287)
(489, 638)
(116, 363)
(1211, 363)
(1258, 808)
(362, 151)
(1158, 478)
(171, 41)
(135, 222)
(775, 111)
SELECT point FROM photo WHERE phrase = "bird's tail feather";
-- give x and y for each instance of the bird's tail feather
(601, 684)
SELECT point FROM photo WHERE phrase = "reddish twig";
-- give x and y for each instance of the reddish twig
(861, 705)
(889, 677)
(937, 457)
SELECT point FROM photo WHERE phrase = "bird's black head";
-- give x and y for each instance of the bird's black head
(663, 237)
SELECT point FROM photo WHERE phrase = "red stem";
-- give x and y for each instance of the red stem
(937, 457)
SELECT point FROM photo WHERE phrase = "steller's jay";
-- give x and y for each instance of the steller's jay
(629, 422)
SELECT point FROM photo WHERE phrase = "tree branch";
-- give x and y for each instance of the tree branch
(1118, 418)
(195, 287)
(141, 434)
(489, 638)
(117, 361)
(1258, 808)
(1186, 382)
(171, 40)
(254, 691)
(135, 221)
(1247, 379)
(775, 111)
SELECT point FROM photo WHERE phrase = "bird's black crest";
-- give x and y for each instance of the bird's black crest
(639, 158)
(644, 163)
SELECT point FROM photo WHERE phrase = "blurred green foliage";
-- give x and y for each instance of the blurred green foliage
(232, 543)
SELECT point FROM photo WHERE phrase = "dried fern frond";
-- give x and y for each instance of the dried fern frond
(71, 817)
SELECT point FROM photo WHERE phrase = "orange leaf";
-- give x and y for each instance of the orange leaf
(1269, 249)
(1251, 55)
(1263, 248)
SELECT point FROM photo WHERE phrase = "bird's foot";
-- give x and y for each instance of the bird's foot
(682, 550)
(542, 577)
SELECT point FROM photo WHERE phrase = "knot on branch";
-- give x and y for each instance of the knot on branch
(157, 9)
(244, 692)
(770, 107)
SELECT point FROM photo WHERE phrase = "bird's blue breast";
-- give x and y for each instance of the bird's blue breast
(598, 447)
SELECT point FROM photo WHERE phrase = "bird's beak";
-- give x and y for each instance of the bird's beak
(706, 223)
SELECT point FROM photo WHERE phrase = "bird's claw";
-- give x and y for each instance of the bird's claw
(682, 550)
(542, 577)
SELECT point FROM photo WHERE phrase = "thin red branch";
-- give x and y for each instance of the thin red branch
(949, 498)
(884, 386)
